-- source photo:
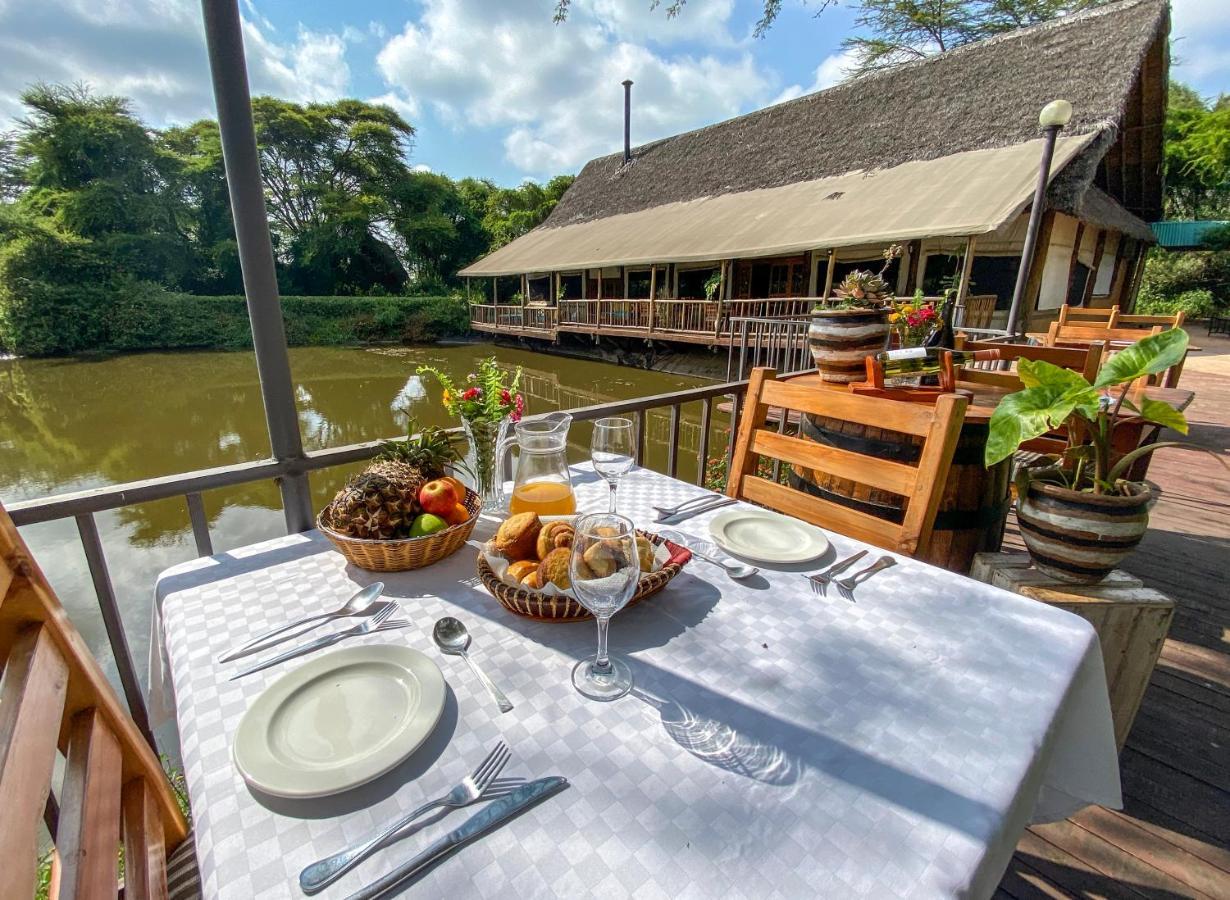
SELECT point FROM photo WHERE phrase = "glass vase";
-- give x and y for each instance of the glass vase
(484, 436)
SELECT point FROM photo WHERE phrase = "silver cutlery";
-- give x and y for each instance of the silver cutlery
(731, 567)
(493, 815)
(675, 518)
(471, 789)
(363, 603)
(379, 622)
(680, 507)
(820, 581)
(452, 638)
(846, 586)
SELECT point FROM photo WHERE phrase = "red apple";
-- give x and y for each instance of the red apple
(437, 497)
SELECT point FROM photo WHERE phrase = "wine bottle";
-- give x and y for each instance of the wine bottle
(943, 335)
(926, 360)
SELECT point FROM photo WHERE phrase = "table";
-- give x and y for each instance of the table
(777, 743)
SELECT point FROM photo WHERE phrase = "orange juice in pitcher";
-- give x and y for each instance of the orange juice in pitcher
(547, 498)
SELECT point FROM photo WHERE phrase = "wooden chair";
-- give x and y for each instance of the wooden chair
(1089, 315)
(54, 699)
(979, 311)
(1001, 373)
(923, 486)
(1143, 321)
(1058, 335)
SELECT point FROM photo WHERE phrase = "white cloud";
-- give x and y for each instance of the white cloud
(555, 90)
(833, 70)
(1201, 42)
(153, 51)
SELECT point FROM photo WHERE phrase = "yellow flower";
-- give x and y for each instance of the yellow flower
(907, 309)
(894, 317)
(448, 398)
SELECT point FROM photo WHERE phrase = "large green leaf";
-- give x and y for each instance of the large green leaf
(1145, 357)
(1026, 415)
(1161, 413)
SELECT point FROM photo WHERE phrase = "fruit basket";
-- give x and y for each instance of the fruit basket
(402, 554)
(534, 604)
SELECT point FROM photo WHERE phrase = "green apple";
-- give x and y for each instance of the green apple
(426, 524)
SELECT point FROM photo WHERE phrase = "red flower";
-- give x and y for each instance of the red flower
(470, 393)
(505, 398)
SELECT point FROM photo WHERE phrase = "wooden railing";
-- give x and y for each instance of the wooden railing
(539, 318)
(685, 315)
(578, 312)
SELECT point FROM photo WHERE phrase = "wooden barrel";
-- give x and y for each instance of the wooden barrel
(974, 505)
(841, 339)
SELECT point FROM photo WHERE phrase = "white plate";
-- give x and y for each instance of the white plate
(339, 721)
(768, 537)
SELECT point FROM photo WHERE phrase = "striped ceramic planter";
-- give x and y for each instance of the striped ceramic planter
(840, 341)
(1080, 538)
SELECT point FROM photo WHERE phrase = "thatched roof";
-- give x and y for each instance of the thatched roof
(983, 96)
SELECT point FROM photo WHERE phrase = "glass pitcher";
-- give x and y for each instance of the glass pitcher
(541, 483)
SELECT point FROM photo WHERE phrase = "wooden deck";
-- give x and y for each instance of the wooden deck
(1172, 839)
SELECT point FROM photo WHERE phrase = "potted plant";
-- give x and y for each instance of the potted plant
(712, 283)
(1078, 513)
(845, 332)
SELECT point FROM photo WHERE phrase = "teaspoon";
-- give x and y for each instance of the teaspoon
(733, 568)
(452, 638)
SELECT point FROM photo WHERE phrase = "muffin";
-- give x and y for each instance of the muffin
(532, 582)
(554, 568)
(645, 553)
(517, 536)
(601, 560)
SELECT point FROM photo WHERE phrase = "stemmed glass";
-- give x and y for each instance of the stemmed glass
(611, 451)
(604, 570)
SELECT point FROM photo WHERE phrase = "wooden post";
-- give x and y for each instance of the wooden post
(653, 295)
(555, 289)
(1138, 272)
(828, 274)
(912, 279)
(967, 266)
(721, 294)
(813, 271)
(623, 271)
(1033, 285)
(468, 300)
(495, 290)
(1099, 248)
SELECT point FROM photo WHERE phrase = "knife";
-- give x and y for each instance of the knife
(676, 518)
(487, 819)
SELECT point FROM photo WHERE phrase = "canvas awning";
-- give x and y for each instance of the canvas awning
(966, 193)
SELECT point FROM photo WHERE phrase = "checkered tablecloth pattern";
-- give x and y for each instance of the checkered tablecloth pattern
(778, 744)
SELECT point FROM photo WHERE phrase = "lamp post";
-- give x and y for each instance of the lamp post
(1054, 116)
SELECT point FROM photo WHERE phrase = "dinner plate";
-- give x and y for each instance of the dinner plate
(339, 721)
(768, 537)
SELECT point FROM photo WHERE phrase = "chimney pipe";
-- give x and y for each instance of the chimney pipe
(627, 121)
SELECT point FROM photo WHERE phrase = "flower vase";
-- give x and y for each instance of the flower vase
(484, 436)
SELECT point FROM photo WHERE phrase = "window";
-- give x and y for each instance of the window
(638, 284)
(995, 275)
(692, 283)
(570, 286)
(1076, 288)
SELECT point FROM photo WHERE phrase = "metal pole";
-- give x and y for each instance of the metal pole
(1031, 231)
(627, 121)
(224, 40)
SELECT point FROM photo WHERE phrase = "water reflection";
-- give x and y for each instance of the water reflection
(68, 425)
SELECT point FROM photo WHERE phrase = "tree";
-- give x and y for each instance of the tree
(1197, 142)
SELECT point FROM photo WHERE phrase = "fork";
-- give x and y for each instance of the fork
(846, 586)
(471, 789)
(820, 581)
(378, 622)
(666, 511)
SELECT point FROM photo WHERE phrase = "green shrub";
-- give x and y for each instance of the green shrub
(1198, 303)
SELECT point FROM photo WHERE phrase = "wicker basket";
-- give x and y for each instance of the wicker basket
(404, 553)
(559, 608)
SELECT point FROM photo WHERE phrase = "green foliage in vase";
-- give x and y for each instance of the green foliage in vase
(488, 396)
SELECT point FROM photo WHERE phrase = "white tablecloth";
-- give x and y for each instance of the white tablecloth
(777, 744)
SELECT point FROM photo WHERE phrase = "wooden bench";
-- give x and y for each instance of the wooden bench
(56, 705)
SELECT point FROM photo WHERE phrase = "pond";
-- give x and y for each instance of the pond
(73, 424)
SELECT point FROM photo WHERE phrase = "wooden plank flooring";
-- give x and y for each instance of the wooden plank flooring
(1172, 839)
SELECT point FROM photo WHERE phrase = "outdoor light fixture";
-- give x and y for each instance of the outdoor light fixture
(1054, 116)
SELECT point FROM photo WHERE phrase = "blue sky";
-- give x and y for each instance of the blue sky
(492, 86)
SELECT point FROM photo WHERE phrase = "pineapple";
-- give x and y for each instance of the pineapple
(413, 462)
(373, 506)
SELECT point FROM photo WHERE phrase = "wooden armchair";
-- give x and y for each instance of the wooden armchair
(1104, 317)
(1059, 335)
(1001, 373)
(923, 485)
(54, 699)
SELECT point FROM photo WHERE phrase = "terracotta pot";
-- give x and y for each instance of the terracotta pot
(1077, 537)
(841, 339)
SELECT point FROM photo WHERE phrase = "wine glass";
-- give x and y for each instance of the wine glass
(605, 570)
(611, 450)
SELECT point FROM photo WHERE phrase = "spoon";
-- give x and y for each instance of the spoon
(733, 568)
(453, 639)
(363, 603)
